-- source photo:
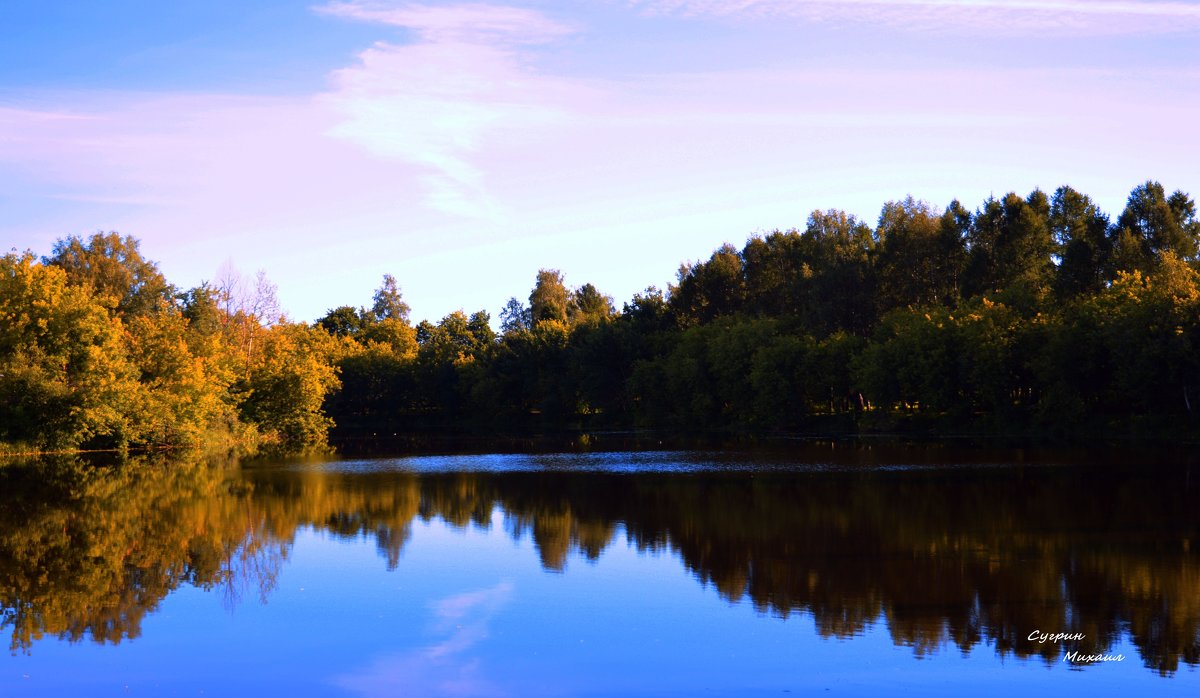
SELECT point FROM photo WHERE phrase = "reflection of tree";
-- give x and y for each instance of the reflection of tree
(348, 506)
(88, 551)
(944, 558)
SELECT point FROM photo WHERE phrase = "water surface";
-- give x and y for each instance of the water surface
(816, 569)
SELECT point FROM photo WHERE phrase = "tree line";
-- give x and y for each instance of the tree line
(1030, 313)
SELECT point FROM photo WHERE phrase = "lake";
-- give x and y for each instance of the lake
(811, 568)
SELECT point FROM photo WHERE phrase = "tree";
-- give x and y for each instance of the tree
(710, 289)
(549, 299)
(400, 337)
(589, 305)
(184, 382)
(344, 321)
(842, 281)
(1081, 235)
(388, 304)
(822, 277)
(287, 383)
(200, 308)
(263, 303)
(916, 265)
(778, 273)
(913, 361)
(253, 298)
(1153, 224)
(65, 374)
(952, 245)
(113, 267)
(1009, 244)
(648, 311)
(480, 327)
(515, 317)
(447, 358)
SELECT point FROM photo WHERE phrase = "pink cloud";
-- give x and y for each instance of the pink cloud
(199, 178)
(1078, 17)
(439, 101)
(471, 118)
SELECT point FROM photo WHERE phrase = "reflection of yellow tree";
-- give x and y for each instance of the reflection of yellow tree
(88, 551)
(380, 505)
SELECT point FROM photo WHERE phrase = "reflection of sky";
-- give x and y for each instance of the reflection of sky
(448, 667)
(472, 613)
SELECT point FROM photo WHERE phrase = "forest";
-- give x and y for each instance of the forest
(1032, 315)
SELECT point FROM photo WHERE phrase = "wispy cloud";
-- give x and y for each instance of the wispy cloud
(552, 140)
(463, 84)
(1089, 17)
(466, 23)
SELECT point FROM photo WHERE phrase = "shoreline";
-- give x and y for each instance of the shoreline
(452, 441)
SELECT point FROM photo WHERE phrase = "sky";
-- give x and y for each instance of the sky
(461, 147)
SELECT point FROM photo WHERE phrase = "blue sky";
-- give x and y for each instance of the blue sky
(463, 146)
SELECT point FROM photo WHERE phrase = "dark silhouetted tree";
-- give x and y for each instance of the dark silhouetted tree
(1081, 234)
(515, 317)
(1153, 224)
(710, 289)
(344, 321)
(1010, 243)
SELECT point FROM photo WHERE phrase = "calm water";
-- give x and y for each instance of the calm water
(830, 570)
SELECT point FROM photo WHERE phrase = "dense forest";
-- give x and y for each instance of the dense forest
(1035, 314)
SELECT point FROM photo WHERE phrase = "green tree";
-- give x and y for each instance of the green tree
(1153, 224)
(843, 280)
(919, 256)
(913, 362)
(1010, 244)
(1149, 327)
(778, 270)
(200, 308)
(822, 278)
(996, 357)
(378, 388)
(1081, 234)
(710, 289)
(448, 359)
